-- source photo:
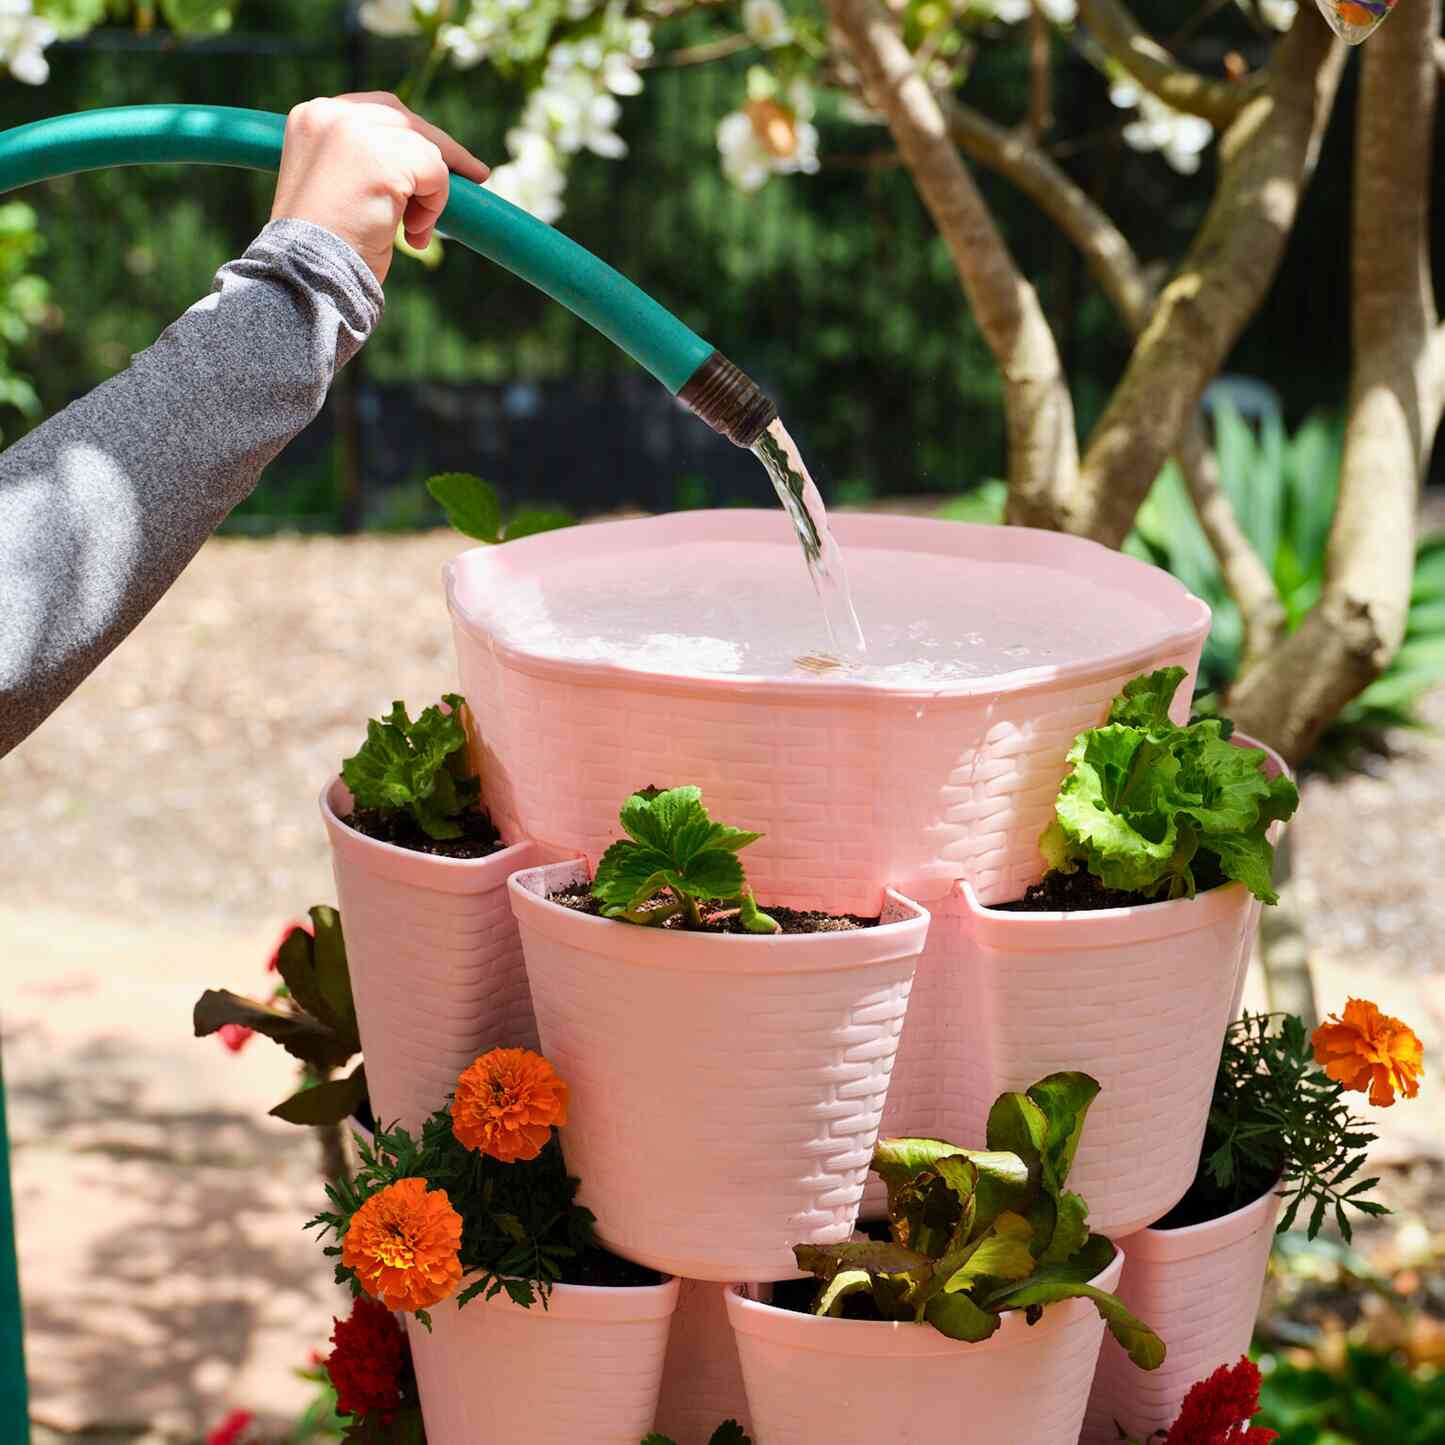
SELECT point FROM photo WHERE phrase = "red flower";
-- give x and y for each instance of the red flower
(301, 925)
(367, 1363)
(235, 1037)
(232, 1428)
(1217, 1411)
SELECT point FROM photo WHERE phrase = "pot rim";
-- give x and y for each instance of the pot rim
(875, 1339)
(604, 1303)
(1184, 618)
(406, 865)
(710, 953)
(1193, 1240)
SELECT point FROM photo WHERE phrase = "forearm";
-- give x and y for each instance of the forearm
(102, 506)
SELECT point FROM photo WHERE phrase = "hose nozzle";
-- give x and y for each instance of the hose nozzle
(729, 401)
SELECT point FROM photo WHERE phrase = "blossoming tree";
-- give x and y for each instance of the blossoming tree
(901, 64)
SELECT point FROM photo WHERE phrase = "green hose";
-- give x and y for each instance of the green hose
(227, 136)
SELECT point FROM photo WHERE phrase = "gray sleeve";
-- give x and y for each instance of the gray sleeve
(103, 505)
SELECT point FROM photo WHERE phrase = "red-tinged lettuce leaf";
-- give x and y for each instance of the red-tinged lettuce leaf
(302, 1037)
(958, 1317)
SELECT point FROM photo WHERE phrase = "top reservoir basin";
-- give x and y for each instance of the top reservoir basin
(665, 650)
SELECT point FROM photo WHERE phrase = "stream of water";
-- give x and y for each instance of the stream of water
(778, 453)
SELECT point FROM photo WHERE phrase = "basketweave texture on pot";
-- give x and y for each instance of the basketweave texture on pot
(855, 1382)
(435, 961)
(586, 1368)
(702, 1381)
(1200, 1289)
(1138, 998)
(725, 1091)
(850, 783)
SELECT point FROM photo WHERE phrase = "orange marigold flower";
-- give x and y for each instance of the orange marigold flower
(1366, 1049)
(506, 1103)
(402, 1245)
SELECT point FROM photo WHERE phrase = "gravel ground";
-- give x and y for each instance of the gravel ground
(183, 775)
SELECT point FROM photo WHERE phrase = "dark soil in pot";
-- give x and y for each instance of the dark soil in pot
(479, 838)
(1206, 1201)
(797, 1296)
(602, 1269)
(1081, 892)
(578, 897)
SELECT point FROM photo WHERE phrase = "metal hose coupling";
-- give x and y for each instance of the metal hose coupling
(729, 401)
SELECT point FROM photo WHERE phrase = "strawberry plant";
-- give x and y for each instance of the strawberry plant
(674, 850)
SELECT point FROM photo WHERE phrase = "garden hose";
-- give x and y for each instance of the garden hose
(701, 377)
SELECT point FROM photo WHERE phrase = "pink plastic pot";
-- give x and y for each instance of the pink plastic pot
(851, 782)
(587, 1368)
(1138, 997)
(702, 1382)
(435, 961)
(1053, 1010)
(1200, 1289)
(725, 1091)
(855, 1382)
(1275, 766)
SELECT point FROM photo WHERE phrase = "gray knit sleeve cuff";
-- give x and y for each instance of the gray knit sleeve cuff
(327, 267)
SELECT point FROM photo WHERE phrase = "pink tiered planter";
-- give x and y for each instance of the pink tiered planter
(852, 784)
(435, 961)
(856, 1382)
(586, 1368)
(726, 1091)
(1199, 1288)
(702, 1382)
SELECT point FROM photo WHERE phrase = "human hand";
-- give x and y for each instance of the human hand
(358, 165)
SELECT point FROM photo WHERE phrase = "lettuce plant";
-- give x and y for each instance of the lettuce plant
(674, 848)
(975, 1233)
(1147, 802)
(416, 767)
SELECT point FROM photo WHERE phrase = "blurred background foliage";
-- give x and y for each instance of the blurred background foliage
(833, 289)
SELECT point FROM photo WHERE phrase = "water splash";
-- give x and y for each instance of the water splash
(778, 453)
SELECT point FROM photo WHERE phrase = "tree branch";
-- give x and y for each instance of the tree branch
(1266, 159)
(1115, 29)
(1349, 637)
(1038, 407)
(1249, 580)
(1114, 265)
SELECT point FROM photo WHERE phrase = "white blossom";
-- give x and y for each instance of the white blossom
(574, 112)
(1278, 14)
(389, 17)
(1013, 12)
(766, 23)
(1181, 139)
(533, 179)
(764, 139)
(469, 43)
(23, 38)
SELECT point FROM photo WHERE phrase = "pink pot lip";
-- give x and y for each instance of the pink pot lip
(885, 1338)
(406, 865)
(615, 1304)
(1185, 635)
(1150, 1245)
(1101, 927)
(702, 953)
